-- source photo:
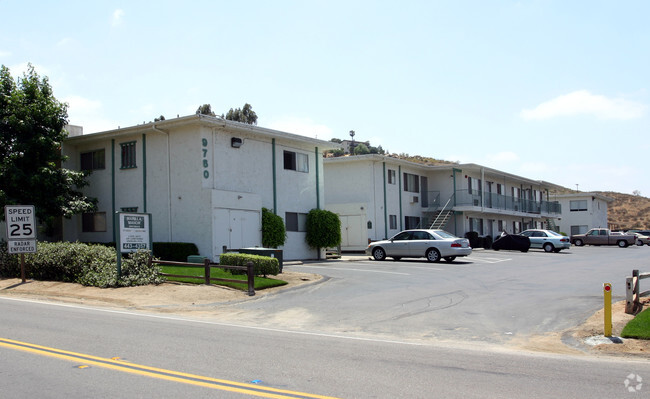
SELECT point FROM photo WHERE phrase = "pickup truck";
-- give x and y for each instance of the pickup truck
(603, 237)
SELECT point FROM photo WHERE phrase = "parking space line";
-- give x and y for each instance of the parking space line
(356, 270)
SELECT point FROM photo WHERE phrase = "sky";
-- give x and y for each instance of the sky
(548, 90)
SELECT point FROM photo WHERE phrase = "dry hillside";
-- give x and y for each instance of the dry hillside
(628, 211)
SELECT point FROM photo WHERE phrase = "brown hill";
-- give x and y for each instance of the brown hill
(628, 211)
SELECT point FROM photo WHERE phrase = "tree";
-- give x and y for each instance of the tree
(244, 115)
(160, 118)
(361, 149)
(205, 109)
(323, 229)
(32, 125)
(273, 231)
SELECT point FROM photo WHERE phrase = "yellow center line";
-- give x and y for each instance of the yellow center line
(170, 375)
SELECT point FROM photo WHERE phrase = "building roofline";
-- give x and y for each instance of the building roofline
(205, 120)
(582, 194)
(466, 166)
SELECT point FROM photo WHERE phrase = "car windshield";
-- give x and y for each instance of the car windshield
(443, 234)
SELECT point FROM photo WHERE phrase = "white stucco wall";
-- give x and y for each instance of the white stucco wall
(198, 187)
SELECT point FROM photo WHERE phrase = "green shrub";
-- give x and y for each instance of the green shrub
(273, 231)
(174, 251)
(90, 265)
(9, 264)
(323, 229)
(262, 265)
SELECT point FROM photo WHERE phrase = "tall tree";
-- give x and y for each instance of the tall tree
(243, 115)
(32, 125)
(205, 109)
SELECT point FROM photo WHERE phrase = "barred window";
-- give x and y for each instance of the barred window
(128, 155)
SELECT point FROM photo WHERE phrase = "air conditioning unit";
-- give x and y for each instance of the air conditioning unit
(415, 199)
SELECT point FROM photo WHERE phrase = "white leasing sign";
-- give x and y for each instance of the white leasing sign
(134, 231)
(21, 228)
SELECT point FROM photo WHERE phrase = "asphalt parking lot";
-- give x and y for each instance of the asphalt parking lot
(490, 296)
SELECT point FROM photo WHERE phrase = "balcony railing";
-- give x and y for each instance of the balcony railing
(507, 203)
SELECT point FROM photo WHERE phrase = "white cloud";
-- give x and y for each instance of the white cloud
(301, 126)
(582, 102)
(4, 53)
(118, 15)
(88, 114)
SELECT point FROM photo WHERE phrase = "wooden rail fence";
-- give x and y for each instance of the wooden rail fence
(207, 264)
(632, 292)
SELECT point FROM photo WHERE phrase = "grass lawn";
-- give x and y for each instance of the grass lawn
(215, 272)
(639, 327)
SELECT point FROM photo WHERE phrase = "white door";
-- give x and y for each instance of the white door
(245, 229)
(236, 229)
(352, 230)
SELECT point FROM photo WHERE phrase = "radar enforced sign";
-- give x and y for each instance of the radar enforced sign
(134, 231)
(21, 229)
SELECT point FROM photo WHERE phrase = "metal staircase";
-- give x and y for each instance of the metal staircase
(442, 216)
(441, 219)
(550, 223)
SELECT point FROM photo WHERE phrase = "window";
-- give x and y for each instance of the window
(295, 221)
(128, 155)
(421, 235)
(296, 161)
(93, 222)
(473, 186)
(516, 227)
(392, 221)
(93, 160)
(578, 205)
(411, 183)
(476, 225)
(412, 222)
(579, 229)
(391, 176)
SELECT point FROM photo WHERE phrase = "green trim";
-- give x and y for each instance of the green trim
(385, 208)
(454, 170)
(144, 172)
(317, 180)
(113, 187)
(275, 186)
(401, 215)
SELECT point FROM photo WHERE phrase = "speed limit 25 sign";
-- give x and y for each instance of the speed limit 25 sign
(21, 228)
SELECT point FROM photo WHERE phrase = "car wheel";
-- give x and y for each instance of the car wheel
(379, 253)
(433, 255)
(639, 243)
(578, 243)
(524, 250)
(396, 258)
(548, 247)
(622, 244)
(450, 258)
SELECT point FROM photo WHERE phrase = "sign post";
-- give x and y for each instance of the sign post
(21, 232)
(133, 233)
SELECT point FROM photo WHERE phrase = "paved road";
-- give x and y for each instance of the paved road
(489, 297)
(98, 353)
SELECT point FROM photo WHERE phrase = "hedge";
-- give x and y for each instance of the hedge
(262, 265)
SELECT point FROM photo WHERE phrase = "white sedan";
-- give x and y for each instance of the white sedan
(430, 244)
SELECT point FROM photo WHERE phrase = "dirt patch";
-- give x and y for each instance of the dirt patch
(588, 338)
(167, 297)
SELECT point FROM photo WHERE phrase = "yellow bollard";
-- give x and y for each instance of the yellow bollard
(607, 293)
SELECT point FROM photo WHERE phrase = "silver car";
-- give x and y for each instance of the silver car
(548, 240)
(431, 244)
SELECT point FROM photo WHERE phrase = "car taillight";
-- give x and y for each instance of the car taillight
(456, 245)
(564, 240)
